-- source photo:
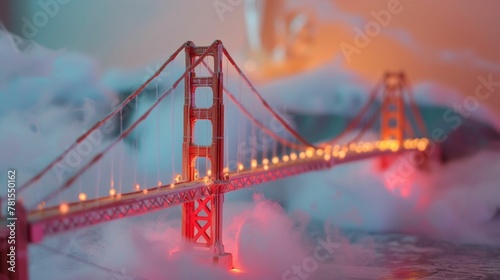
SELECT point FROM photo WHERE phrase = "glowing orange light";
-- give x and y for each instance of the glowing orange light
(241, 166)
(276, 160)
(342, 154)
(415, 142)
(384, 145)
(328, 149)
(394, 146)
(82, 196)
(64, 208)
(159, 183)
(209, 172)
(286, 158)
(319, 152)
(145, 191)
(253, 163)
(422, 144)
(327, 157)
(407, 144)
(235, 270)
(172, 185)
(302, 155)
(112, 192)
(367, 147)
(352, 146)
(293, 156)
(310, 152)
(266, 167)
(265, 161)
(137, 187)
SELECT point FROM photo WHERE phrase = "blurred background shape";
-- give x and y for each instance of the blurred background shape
(447, 41)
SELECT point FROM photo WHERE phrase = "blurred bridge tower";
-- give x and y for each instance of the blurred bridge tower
(393, 119)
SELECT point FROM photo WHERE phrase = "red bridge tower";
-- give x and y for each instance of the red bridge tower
(202, 219)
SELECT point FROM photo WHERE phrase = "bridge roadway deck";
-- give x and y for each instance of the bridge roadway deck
(52, 220)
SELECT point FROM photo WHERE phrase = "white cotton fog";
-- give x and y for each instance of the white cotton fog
(142, 247)
(49, 98)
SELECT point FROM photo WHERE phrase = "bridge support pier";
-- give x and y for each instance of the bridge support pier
(202, 219)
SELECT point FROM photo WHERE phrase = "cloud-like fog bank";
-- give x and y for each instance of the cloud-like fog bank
(48, 99)
(457, 202)
(263, 239)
